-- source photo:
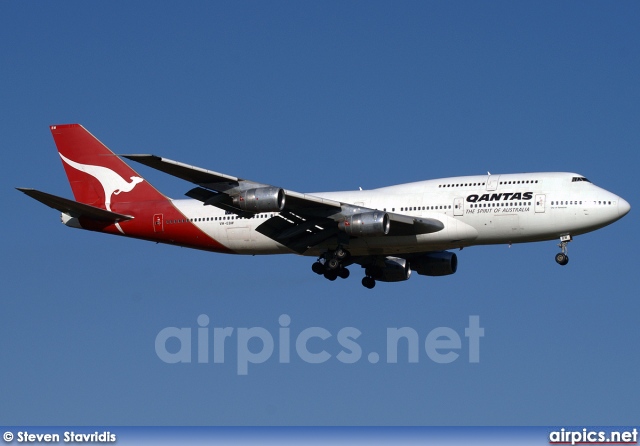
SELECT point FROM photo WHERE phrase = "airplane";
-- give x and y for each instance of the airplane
(390, 231)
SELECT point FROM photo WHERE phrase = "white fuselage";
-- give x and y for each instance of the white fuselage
(475, 210)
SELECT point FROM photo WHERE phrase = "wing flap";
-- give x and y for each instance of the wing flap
(296, 200)
(217, 199)
(407, 225)
(295, 232)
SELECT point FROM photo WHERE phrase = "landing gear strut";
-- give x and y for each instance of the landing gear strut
(562, 258)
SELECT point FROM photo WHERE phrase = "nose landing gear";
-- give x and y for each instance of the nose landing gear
(562, 258)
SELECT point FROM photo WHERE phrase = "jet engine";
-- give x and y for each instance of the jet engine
(435, 264)
(368, 223)
(394, 270)
(262, 199)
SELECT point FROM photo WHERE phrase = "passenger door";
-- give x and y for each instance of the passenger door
(458, 206)
(540, 203)
(158, 223)
(492, 182)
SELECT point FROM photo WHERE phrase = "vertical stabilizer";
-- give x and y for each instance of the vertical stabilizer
(97, 176)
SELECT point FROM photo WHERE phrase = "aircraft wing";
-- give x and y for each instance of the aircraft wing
(219, 182)
(303, 220)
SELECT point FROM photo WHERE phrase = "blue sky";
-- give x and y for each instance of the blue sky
(317, 96)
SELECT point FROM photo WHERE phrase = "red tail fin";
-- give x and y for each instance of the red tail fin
(97, 176)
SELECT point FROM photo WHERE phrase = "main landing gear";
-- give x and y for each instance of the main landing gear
(332, 267)
(562, 258)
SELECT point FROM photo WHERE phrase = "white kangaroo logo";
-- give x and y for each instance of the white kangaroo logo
(111, 182)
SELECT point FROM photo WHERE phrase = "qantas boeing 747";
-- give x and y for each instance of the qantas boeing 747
(390, 231)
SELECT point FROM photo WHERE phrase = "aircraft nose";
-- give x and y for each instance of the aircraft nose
(623, 207)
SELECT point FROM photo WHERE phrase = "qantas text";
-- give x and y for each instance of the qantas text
(500, 197)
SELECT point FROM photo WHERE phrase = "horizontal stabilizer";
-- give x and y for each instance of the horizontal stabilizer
(73, 208)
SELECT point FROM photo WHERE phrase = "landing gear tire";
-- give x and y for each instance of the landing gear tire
(343, 273)
(341, 253)
(318, 268)
(331, 275)
(562, 258)
(333, 263)
(368, 282)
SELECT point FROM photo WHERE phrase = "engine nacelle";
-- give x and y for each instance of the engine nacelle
(435, 264)
(262, 199)
(394, 270)
(369, 223)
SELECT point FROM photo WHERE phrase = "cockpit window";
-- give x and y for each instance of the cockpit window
(574, 179)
